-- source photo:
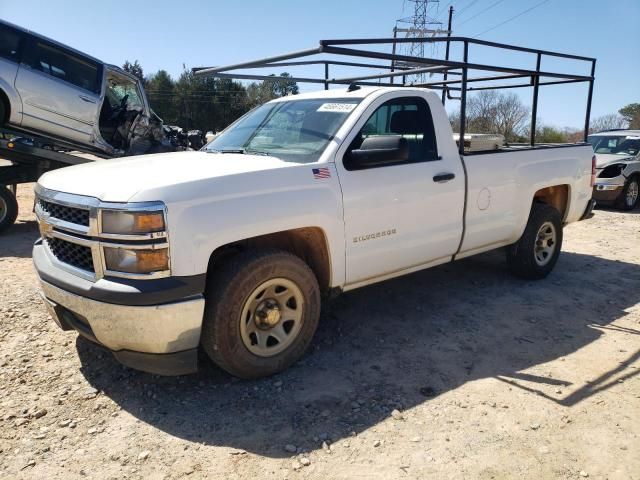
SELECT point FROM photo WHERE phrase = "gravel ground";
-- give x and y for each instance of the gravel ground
(460, 371)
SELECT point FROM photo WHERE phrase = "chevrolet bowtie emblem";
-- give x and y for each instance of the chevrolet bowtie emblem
(45, 228)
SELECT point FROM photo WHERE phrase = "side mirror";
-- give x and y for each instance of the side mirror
(379, 151)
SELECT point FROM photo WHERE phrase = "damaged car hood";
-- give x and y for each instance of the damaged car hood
(118, 180)
(604, 159)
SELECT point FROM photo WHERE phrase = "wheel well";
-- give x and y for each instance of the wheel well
(309, 244)
(557, 196)
(7, 106)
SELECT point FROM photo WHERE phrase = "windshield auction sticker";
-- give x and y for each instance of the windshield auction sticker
(337, 107)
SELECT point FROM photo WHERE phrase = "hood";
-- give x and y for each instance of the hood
(117, 180)
(604, 159)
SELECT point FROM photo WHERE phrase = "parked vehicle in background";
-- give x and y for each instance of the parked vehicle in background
(618, 167)
(74, 100)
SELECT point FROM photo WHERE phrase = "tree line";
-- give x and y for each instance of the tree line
(490, 111)
(206, 103)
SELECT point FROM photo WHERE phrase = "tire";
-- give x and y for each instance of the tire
(529, 259)
(248, 349)
(628, 199)
(8, 208)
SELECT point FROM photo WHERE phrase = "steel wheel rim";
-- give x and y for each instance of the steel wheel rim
(271, 317)
(3, 209)
(546, 244)
(632, 193)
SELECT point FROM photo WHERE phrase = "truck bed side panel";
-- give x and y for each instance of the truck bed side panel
(501, 188)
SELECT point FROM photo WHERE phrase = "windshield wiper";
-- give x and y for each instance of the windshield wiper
(238, 150)
(257, 152)
(226, 150)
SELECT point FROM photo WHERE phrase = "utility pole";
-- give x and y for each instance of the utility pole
(445, 92)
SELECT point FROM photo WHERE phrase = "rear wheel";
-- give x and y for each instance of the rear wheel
(3, 111)
(628, 198)
(8, 208)
(262, 310)
(536, 253)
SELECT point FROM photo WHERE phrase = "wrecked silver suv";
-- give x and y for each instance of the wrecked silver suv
(76, 101)
(617, 167)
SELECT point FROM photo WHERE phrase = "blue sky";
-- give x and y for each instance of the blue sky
(169, 34)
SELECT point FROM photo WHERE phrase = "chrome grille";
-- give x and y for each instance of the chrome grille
(70, 228)
(73, 254)
(78, 216)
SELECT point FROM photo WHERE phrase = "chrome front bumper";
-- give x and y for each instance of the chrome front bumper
(151, 333)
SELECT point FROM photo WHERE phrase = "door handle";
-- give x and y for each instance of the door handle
(443, 177)
(87, 99)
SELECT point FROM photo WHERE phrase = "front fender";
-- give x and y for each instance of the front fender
(250, 205)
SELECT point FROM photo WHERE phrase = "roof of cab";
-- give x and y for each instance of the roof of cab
(360, 92)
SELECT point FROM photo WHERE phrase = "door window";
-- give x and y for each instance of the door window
(61, 63)
(409, 117)
(9, 43)
(124, 93)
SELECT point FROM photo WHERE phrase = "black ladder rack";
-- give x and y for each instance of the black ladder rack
(456, 74)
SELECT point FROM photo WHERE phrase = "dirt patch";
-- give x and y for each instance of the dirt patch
(460, 371)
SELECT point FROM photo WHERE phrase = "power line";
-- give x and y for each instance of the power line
(481, 12)
(465, 8)
(512, 18)
(445, 9)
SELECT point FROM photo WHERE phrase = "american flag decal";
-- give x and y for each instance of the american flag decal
(322, 172)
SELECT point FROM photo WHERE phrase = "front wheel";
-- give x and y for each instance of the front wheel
(262, 310)
(536, 253)
(628, 198)
(8, 208)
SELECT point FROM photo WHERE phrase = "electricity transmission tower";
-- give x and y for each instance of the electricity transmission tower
(419, 25)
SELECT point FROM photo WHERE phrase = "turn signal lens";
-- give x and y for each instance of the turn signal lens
(136, 260)
(132, 223)
(148, 222)
(593, 171)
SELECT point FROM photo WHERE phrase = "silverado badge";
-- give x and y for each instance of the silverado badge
(371, 236)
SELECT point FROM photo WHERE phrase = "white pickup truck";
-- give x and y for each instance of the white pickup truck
(231, 249)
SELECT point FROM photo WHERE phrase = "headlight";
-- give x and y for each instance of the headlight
(130, 260)
(132, 223)
(612, 171)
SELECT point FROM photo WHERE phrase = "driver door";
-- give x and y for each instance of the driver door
(404, 215)
(120, 110)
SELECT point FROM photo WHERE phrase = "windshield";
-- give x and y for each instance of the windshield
(617, 144)
(295, 131)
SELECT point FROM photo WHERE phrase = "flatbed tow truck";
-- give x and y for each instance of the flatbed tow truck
(24, 160)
